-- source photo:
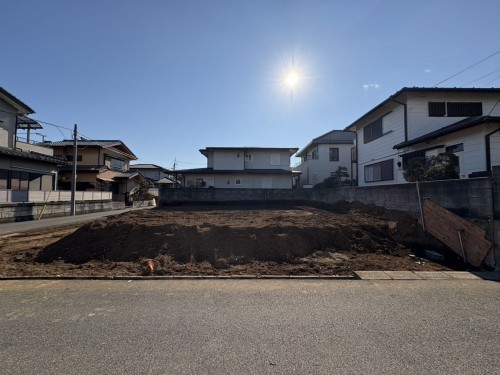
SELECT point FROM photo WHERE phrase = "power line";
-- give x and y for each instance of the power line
(471, 66)
(477, 79)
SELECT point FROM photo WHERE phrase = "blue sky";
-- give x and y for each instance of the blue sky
(171, 77)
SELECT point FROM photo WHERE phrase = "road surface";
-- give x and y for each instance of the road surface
(250, 327)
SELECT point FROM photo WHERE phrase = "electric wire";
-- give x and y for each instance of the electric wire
(469, 67)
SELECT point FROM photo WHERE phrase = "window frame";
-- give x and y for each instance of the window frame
(368, 130)
(385, 175)
(334, 154)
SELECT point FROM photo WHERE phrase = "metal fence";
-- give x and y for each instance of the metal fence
(10, 196)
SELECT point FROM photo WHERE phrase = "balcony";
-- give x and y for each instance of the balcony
(25, 146)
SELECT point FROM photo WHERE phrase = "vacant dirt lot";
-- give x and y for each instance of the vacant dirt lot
(222, 240)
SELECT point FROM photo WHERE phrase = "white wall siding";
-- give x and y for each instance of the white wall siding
(229, 160)
(495, 148)
(381, 149)
(419, 122)
(316, 170)
(247, 181)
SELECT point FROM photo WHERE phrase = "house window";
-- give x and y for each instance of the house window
(228, 182)
(372, 131)
(455, 109)
(353, 155)
(455, 148)
(383, 171)
(114, 163)
(314, 155)
(238, 155)
(462, 109)
(248, 157)
(437, 109)
(237, 181)
(334, 154)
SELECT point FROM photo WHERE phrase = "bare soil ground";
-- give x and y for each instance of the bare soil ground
(227, 240)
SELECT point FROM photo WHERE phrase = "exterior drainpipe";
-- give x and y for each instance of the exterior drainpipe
(405, 117)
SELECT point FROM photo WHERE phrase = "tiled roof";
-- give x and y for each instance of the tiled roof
(147, 166)
(84, 168)
(333, 136)
(127, 175)
(96, 143)
(336, 136)
(31, 156)
(111, 144)
(460, 125)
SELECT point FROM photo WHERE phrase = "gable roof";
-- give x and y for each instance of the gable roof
(10, 152)
(333, 136)
(118, 145)
(405, 90)
(148, 166)
(460, 125)
(15, 102)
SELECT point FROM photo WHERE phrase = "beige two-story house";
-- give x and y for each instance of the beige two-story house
(102, 165)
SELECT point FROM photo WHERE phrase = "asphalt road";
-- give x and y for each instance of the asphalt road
(249, 327)
(25, 226)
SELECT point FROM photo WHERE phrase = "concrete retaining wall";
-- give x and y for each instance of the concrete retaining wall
(477, 199)
(12, 212)
(471, 197)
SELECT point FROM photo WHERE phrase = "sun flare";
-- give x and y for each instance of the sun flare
(292, 79)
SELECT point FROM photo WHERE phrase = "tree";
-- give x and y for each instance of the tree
(339, 178)
(432, 168)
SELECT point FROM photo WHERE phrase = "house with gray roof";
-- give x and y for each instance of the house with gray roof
(154, 173)
(421, 122)
(322, 157)
(24, 163)
(242, 167)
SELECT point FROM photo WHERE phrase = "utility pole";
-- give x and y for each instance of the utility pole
(73, 175)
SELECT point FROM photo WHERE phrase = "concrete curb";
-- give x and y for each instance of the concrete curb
(358, 275)
(193, 277)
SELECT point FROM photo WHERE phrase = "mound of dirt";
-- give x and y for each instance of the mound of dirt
(216, 238)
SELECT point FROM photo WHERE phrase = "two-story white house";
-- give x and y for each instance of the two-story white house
(242, 167)
(24, 164)
(324, 155)
(417, 122)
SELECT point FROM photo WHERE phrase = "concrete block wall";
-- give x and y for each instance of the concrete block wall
(12, 212)
(477, 199)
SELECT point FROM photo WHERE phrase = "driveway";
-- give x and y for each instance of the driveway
(250, 327)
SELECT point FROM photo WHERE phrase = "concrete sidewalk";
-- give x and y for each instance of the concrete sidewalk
(427, 275)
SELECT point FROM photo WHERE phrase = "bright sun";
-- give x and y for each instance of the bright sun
(292, 79)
